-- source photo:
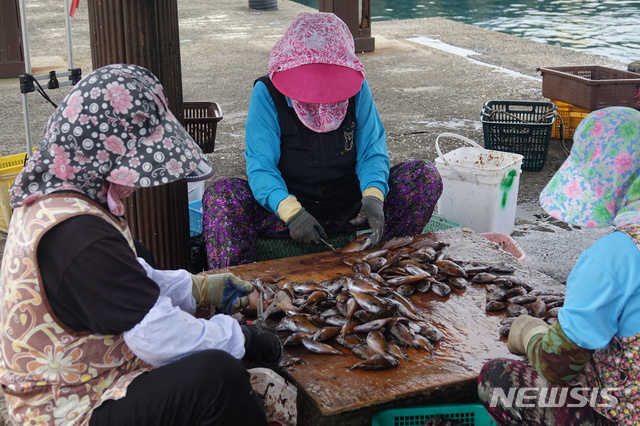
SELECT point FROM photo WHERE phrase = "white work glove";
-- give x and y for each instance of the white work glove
(225, 291)
(522, 330)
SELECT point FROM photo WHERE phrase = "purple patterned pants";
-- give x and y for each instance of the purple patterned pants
(233, 220)
(521, 407)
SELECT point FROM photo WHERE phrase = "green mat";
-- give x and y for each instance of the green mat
(438, 223)
(272, 248)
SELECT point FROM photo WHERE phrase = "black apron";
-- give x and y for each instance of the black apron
(318, 168)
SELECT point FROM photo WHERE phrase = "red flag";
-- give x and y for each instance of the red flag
(74, 6)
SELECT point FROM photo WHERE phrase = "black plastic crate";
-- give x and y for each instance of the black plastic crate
(521, 127)
(201, 122)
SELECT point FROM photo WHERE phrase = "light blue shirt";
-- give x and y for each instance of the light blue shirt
(262, 151)
(603, 293)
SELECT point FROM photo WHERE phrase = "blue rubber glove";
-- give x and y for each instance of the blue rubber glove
(304, 228)
(371, 211)
(226, 292)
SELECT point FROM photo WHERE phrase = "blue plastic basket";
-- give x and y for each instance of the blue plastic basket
(466, 414)
(195, 218)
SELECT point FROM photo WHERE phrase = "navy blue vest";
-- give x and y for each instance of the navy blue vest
(318, 168)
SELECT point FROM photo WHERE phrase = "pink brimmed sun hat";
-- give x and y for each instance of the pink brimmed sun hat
(315, 63)
(599, 182)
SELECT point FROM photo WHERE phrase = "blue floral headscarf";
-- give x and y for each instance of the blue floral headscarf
(599, 183)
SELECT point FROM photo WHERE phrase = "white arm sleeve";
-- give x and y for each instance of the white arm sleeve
(174, 284)
(167, 334)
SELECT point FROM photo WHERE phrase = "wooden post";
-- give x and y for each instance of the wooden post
(145, 33)
(357, 18)
(11, 55)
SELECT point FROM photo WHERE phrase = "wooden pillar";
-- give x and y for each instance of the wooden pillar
(357, 18)
(11, 55)
(145, 33)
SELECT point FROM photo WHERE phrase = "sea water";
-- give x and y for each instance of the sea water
(609, 28)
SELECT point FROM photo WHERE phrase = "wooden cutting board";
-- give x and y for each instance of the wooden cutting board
(470, 334)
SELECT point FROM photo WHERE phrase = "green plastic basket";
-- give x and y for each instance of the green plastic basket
(437, 223)
(272, 248)
(466, 414)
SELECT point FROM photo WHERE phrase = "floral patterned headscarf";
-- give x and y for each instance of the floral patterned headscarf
(599, 183)
(111, 134)
(315, 65)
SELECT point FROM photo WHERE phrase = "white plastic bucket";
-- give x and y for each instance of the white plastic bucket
(480, 186)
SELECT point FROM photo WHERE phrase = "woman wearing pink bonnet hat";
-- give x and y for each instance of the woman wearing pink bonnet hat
(587, 363)
(316, 155)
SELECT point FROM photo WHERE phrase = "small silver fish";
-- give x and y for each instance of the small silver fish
(494, 305)
(376, 362)
(538, 308)
(397, 352)
(321, 348)
(440, 288)
(521, 300)
(483, 277)
(362, 351)
(369, 302)
(326, 333)
(459, 283)
(450, 268)
(360, 243)
(397, 242)
(296, 338)
(372, 325)
(375, 254)
(376, 341)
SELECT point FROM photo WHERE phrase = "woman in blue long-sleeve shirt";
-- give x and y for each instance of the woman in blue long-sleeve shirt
(316, 155)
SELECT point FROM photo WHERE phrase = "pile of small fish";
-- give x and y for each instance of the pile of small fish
(369, 312)
(514, 296)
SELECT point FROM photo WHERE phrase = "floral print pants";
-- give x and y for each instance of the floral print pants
(507, 375)
(233, 220)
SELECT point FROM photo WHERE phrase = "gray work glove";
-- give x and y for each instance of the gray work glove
(226, 292)
(373, 213)
(261, 345)
(304, 228)
(522, 330)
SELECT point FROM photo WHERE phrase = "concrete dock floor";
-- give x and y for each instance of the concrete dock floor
(428, 76)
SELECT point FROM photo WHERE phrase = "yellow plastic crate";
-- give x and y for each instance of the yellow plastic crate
(571, 116)
(10, 166)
